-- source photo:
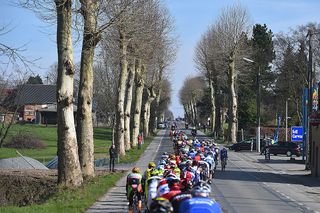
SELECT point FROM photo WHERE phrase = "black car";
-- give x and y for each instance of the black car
(243, 145)
(285, 148)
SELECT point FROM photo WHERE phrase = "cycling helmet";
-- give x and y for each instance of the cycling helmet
(201, 189)
(172, 180)
(188, 163)
(159, 205)
(136, 170)
(151, 165)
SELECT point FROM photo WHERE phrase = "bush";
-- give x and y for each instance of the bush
(23, 141)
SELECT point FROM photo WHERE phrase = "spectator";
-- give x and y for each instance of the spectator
(113, 155)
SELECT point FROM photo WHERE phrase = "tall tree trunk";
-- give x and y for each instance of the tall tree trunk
(84, 112)
(233, 107)
(127, 117)
(120, 97)
(150, 98)
(69, 171)
(194, 108)
(139, 84)
(218, 120)
(155, 115)
(213, 104)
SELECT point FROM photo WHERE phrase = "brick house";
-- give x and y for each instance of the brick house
(34, 97)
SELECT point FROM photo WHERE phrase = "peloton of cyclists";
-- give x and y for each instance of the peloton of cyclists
(177, 182)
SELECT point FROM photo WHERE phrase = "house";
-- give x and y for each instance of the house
(48, 114)
(32, 97)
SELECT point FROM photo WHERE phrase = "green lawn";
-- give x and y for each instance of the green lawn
(71, 200)
(48, 135)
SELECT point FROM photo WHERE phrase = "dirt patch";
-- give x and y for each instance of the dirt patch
(25, 187)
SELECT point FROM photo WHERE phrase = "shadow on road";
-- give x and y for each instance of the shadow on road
(257, 176)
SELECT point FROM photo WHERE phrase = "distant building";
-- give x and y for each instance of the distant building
(32, 97)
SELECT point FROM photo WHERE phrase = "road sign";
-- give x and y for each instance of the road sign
(296, 133)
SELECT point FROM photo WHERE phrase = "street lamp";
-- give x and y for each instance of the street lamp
(258, 105)
(287, 118)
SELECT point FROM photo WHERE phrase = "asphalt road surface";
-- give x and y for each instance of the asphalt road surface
(248, 187)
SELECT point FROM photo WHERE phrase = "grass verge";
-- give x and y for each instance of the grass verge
(48, 135)
(134, 154)
(72, 200)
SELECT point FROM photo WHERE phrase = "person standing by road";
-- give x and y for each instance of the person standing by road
(113, 155)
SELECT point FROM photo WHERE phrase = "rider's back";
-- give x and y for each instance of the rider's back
(199, 205)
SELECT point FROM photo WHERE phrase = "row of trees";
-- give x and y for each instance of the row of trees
(277, 69)
(136, 45)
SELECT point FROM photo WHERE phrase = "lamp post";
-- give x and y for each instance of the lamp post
(286, 120)
(258, 105)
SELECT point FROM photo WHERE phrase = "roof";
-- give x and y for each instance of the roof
(36, 94)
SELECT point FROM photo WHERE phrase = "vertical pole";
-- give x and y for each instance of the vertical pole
(310, 80)
(258, 112)
(286, 120)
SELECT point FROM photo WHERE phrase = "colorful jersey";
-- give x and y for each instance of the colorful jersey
(134, 182)
(199, 204)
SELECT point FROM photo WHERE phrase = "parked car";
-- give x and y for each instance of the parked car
(285, 148)
(161, 126)
(243, 145)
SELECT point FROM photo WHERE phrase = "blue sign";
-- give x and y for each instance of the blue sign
(296, 133)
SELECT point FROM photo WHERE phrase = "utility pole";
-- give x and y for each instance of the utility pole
(310, 82)
(286, 120)
(258, 111)
(258, 105)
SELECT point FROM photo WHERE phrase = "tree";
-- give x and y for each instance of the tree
(190, 94)
(232, 27)
(69, 171)
(84, 111)
(207, 61)
(34, 80)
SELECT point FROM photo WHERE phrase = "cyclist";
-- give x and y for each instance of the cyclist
(200, 201)
(178, 199)
(160, 205)
(174, 186)
(151, 186)
(223, 157)
(147, 174)
(134, 186)
(175, 168)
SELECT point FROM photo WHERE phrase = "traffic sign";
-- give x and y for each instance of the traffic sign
(296, 133)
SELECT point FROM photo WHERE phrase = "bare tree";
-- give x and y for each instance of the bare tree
(232, 27)
(191, 92)
(69, 171)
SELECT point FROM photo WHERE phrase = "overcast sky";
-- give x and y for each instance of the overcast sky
(192, 17)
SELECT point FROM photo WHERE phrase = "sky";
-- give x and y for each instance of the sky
(192, 18)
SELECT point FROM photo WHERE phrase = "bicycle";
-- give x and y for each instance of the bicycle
(135, 201)
(223, 164)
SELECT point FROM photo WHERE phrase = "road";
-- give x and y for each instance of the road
(249, 185)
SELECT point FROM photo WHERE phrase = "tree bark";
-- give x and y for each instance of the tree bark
(218, 120)
(139, 83)
(155, 116)
(69, 171)
(213, 104)
(120, 145)
(150, 98)
(233, 107)
(127, 117)
(84, 111)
